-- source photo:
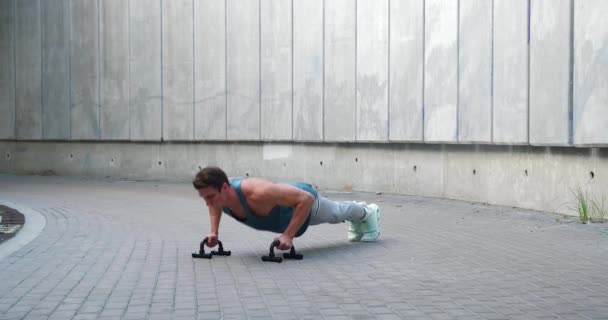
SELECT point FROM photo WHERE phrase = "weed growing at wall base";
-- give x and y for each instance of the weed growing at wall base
(581, 204)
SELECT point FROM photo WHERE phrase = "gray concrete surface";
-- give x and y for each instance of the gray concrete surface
(84, 69)
(331, 71)
(218, 71)
(28, 82)
(549, 102)
(121, 250)
(308, 66)
(114, 69)
(340, 71)
(510, 76)
(55, 26)
(210, 70)
(591, 66)
(406, 68)
(475, 71)
(7, 69)
(528, 177)
(243, 69)
(177, 72)
(276, 21)
(372, 51)
(145, 76)
(441, 71)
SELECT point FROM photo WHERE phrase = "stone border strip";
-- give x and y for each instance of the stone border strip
(34, 223)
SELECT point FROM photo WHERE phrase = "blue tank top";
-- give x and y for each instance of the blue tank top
(279, 217)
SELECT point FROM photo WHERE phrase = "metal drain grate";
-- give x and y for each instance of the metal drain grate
(11, 222)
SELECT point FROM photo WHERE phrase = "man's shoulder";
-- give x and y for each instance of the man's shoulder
(254, 183)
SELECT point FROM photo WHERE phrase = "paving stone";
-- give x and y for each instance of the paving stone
(115, 249)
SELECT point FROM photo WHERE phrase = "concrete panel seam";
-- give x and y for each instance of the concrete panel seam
(162, 83)
(41, 73)
(356, 57)
(260, 69)
(15, 69)
(226, 66)
(423, 63)
(70, 68)
(99, 71)
(528, 72)
(193, 76)
(129, 65)
(388, 73)
(323, 85)
(458, 72)
(291, 65)
(571, 77)
(492, 80)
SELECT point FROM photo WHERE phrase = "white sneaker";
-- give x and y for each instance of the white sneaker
(370, 226)
(354, 233)
(354, 228)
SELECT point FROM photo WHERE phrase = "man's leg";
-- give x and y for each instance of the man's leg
(329, 211)
(363, 219)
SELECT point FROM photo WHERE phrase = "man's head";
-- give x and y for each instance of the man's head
(211, 184)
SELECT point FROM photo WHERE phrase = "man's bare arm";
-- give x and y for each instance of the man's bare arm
(290, 196)
(304, 202)
(215, 216)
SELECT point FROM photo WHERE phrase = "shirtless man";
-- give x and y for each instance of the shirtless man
(284, 208)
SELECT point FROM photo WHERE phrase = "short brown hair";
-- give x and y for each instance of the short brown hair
(210, 177)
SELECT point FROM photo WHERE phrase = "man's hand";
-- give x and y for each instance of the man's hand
(212, 240)
(285, 242)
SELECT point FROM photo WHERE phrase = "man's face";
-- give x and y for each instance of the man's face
(213, 197)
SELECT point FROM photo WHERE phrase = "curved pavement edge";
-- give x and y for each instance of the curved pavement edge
(34, 223)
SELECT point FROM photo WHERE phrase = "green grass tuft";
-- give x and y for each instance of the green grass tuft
(582, 204)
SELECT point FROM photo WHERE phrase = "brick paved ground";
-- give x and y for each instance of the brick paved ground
(121, 250)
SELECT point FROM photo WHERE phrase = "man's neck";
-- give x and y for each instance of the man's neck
(233, 202)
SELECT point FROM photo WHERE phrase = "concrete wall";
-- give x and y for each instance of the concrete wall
(590, 96)
(441, 71)
(510, 61)
(340, 59)
(475, 71)
(528, 72)
(243, 69)
(55, 69)
(145, 74)
(308, 70)
(28, 66)
(7, 69)
(539, 178)
(406, 68)
(237, 74)
(210, 69)
(114, 69)
(84, 70)
(550, 89)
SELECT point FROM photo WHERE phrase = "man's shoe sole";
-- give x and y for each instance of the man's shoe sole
(370, 237)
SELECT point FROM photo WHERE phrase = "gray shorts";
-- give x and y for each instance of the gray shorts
(329, 211)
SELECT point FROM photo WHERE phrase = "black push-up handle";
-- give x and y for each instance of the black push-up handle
(202, 254)
(272, 258)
